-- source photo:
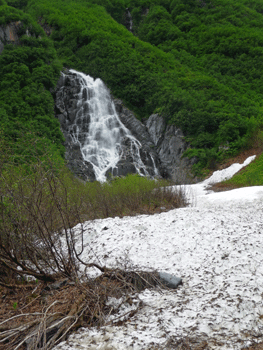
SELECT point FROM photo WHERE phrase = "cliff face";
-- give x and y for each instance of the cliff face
(9, 34)
(161, 146)
(75, 111)
(170, 146)
(139, 131)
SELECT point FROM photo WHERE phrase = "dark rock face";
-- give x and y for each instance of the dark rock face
(161, 150)
(68, 93)
(9, 34)
(170, 146)
(148, 152)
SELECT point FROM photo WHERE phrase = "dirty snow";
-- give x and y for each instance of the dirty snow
(214, 245)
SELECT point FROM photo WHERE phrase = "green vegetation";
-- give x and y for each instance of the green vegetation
(168, 74)
(28, 72)
(129, 196)
(199, 64)
(19, 4)
(41, 201)
(40, 206)
(252, 175)
(38, 175)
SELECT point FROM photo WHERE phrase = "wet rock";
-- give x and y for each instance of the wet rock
(148, 152)
(66, 110)
(162, 145)
(170, 146)
(128, 20)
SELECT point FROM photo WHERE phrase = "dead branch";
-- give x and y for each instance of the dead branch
(17, 286)
(37, 238)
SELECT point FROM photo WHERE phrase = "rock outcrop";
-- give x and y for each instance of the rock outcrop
(139, 130)
(9, 34)
(65, 105)
(162, 145)
(170, 146)
(67, 99)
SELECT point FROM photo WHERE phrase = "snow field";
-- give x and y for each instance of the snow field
(215, 247)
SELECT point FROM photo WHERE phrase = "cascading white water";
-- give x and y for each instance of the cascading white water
(130, 20)
(156, 172)
(99, 131)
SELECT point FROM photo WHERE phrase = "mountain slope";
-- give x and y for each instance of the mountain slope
(198, 64)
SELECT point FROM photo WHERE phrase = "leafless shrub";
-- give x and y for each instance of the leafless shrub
(72, 306)
(34, 210)
(38, 212)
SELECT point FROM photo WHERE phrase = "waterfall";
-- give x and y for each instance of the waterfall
(156, 172)
(99, 132)
(129, 18)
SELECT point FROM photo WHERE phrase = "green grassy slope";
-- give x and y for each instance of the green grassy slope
(196, 63)
(252, 175)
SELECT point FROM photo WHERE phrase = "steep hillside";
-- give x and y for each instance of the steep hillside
(196, 63)
(221, 38)
(29, 69)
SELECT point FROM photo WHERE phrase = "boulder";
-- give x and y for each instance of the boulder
(169, 280)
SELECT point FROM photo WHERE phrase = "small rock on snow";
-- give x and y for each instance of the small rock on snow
(170, 281)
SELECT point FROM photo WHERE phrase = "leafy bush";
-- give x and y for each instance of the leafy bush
(129, 196)
(19, 4)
